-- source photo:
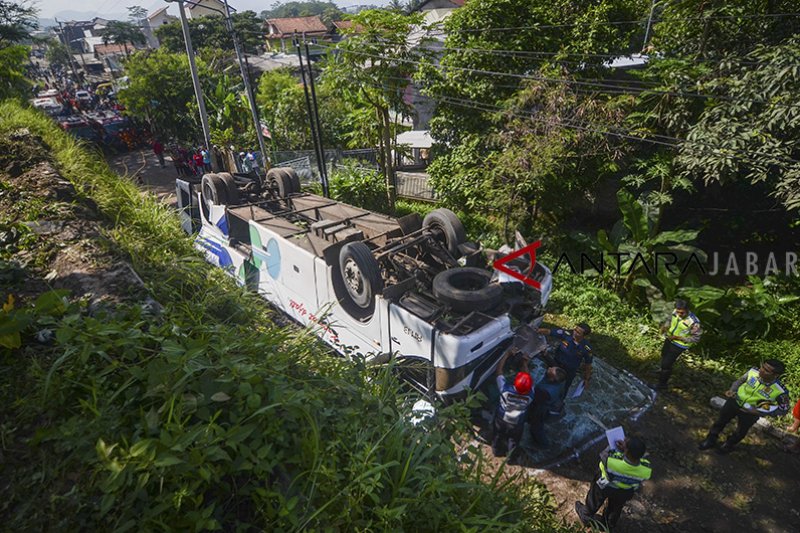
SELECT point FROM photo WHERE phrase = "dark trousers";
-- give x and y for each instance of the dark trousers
(617, 498)
(568, 382)
(506, 436)
(669, 354)
(730, 411)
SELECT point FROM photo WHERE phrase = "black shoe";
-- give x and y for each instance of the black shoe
(707, 444)
(726, 448)
(583, 513)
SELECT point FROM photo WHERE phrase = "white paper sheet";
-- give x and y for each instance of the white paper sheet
(579, 389)
(613, 435)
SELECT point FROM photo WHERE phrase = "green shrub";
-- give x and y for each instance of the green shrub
(360, 186)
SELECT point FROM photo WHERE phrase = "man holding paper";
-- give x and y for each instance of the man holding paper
(757, 393)
(621, 472)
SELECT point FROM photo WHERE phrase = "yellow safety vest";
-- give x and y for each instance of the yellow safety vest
(620, 474)
(682, 327)
(754, 391)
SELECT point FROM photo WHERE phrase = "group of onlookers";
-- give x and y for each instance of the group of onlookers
(187, 161)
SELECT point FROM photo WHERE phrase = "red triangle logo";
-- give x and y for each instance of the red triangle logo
(526, 277)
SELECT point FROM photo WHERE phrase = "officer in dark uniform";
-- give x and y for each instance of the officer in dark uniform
(572, 353)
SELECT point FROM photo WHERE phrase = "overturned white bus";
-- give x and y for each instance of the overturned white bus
(366, 283)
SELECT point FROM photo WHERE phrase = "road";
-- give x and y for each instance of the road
(141, 166)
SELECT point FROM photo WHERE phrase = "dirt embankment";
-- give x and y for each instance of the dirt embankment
(56, 237)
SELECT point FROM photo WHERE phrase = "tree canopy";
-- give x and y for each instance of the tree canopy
(17, 21)
(328, 11)
(123, 33)
(212, 32)
(373, 66)
(160, 92)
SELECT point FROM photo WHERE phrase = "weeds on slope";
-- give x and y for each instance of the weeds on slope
(205, 416)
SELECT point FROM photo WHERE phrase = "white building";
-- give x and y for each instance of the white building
(155, 20)
(205, 8)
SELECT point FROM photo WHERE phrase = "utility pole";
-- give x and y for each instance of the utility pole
(324, 176)
(248, 88)
(320, 155)
(198, 90)
(69, 50)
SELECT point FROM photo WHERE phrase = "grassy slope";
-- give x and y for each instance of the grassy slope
(208, 416)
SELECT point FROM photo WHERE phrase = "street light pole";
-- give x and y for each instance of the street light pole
(247, 86)
(649, 24)
(198, 90)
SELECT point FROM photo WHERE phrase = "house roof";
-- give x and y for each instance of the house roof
(455, 4)
(105, 49)
(415, 139)
(343, 24)
(157, 12)
(340, 25)
(288, 26)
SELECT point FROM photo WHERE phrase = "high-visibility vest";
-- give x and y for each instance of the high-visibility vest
(754, 391)
(617, 473)
(682, 327)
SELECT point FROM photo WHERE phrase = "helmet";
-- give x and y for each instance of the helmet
(523, 383)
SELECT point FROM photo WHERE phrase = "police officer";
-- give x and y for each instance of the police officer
(573, 352)
(682, 330)
(620, 475)
(757, 393)
(509, 419)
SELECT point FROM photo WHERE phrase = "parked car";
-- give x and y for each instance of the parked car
(366, 283)
(49, 93)
(83, 97)
(114, 128)
(49, 105)
(80, 128)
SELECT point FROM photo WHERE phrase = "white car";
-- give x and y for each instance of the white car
(366, 283)
(49, 93)
(49, 105)
(83, 97)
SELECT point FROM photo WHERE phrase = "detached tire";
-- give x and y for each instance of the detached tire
(294, 179)
(361, 275)
(213, 190)
(231, 189)
(448, 228)
(278, 178)
(467, 289)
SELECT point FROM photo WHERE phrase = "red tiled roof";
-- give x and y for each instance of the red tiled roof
(348, 25)
(288, 26)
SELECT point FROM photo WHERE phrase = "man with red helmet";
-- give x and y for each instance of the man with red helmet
(509, 419)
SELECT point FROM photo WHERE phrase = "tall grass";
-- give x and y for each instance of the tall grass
(209, 417)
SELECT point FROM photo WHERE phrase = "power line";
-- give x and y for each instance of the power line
(623, 22)
(588, 82)
(671, 142)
